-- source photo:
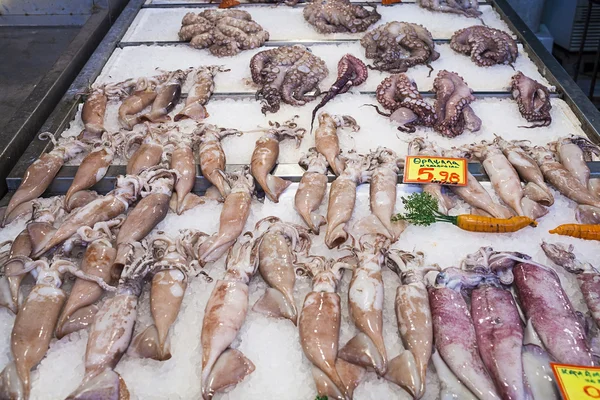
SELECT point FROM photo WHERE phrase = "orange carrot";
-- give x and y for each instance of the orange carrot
(390, 2)
(478, 223)
(228, 3)
(581, 231)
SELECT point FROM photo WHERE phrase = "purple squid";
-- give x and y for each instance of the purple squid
(35, 323)
(265, 155)
(311, 190)
(327, 141)
(224, 315)
(278, 248)
(167, 97)
(319, 326)
(351, 72)
(342, 197)
(40, 174)
(199, 94)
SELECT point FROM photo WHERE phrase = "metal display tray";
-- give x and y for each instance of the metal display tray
(67, 108)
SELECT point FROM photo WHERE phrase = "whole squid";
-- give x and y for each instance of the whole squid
(587, 275)
(199, 94)
(365, 299)
(150, 150)
(528, 169)
(409, 369)
(184, 164)
(570, 153)
(92, 114)
(420, 147)
(224, 315)
(474, 194)
(111, 332)
(319, 326)
(545, 303)
(327, 141)
(278, 248)
(92, 168)
(563, 180)
(342, 197)
(456, 339)
(265, 155)
(167, 97)
(166, 295)
(35, 323)
(147, 213)
(40, 174)
(311, 190)
(212, 157)
(143, 94)
(234, 215)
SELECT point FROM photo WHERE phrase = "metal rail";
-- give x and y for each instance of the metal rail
(67, 108)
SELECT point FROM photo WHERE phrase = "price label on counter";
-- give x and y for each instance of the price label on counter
(577, 383)
(442, 170)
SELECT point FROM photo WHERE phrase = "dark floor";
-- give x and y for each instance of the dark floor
(27, 53)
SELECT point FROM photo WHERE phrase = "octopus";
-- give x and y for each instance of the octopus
(334, 16)
(533, 100)
(486, 46)
(397, 46)
(224, 32)
(287, 74)
(399, 94)
(468, 8)
(452, 110)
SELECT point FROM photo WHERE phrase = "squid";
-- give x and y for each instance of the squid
(456, 339)
(409, 369)
(167, 97)
(311, 190)
(200, 93)
(587, 275)
(563, 180)
(319, 326)
(150, 151)
(224, 315)
(92, 114)
(277, 250)
(175, 265)
(147, 213)
(112, 330)
(40, 174)
(232, 220)
(183, 163)
(474, 194)
(92, 168)
(587, 214)
(18, 212)
(536, 188)
(327, 141)
(212, 157)
(143, 95)
(420, 147)
(342, 197)
(450, 386)
(365, 299)
(265, 155)
(35, 322)
(570, 153)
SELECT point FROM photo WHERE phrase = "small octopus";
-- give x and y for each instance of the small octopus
(399, 94)
(286, 74)
(533, 99)
(486, 46)
(334, 16)
(468, 8)
(452, 110)
(223, 32)
(397, 46)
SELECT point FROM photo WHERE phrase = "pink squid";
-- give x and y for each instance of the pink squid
(311, 190)
(327, 141)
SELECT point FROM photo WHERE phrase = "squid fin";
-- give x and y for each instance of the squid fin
(274, 304)
(108, 385)
(155, 117)
(195, 111)
(361, 350)
(536, 193)
(230, 368)
(327, 387)
(275, 187)
(338, 166)
(402, 371)
(6, 298)
(78, 320)
(350, 374)
(190, 201)
(370, 225)
(147, 345)
(213, 193)
(336, 237)
(532, 209)
(317, 220)
(129, 121)
(479, 211)
(39, 237)
(11, 386)
(173, 202)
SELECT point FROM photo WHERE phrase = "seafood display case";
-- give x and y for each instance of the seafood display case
(251, 165)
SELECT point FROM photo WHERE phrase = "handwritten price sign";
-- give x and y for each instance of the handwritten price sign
(442, 170)
(577, 383)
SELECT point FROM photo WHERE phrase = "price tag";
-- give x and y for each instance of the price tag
(577, 383)
(442, 170)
